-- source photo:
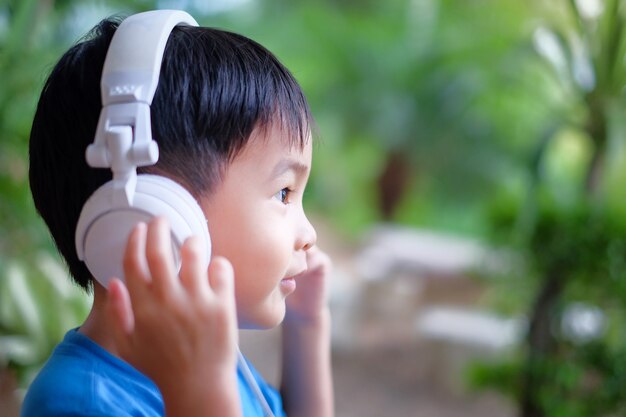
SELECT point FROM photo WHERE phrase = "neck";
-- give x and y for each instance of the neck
(97, 326)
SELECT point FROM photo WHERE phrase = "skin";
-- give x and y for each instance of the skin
(178, 330)
(257, 222)
(181, 330)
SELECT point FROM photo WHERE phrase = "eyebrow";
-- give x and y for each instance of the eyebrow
(285, 165)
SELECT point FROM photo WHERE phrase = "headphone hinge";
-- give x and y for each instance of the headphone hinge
(143, 152)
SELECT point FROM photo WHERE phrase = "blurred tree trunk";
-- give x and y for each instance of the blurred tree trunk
(9, 402)
(393, 182)
(541, 340)
(597, 131)
(544, 318)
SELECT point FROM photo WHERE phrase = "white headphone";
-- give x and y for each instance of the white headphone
(124, 142)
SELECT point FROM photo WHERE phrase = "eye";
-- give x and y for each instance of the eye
(283, 195)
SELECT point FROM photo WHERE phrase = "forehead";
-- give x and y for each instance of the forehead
(272, 146)
(268, 160)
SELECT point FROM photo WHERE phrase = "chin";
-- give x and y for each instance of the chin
(263, 320)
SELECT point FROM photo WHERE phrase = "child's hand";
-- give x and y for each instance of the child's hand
(307, 386)
(178, 329)
(308, 302)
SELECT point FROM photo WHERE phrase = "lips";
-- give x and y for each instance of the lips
(287, 286)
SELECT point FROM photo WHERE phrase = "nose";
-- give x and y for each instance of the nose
(307, 236)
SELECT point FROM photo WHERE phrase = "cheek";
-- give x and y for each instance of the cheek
(260, 257)
(264, 251)
(256, 243)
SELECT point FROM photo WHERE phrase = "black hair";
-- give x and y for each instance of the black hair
(215, 88)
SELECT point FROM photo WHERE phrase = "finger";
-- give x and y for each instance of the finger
(317, 260)
(312, 252)
(136, 273)
(160, 257)
(119, 306)
(193, 269)
(313, 258)
(119, 309)
(221, 280)
(221, 277)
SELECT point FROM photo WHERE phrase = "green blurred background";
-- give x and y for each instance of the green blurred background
(494, 121)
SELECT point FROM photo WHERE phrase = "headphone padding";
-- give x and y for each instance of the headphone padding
(103, 227)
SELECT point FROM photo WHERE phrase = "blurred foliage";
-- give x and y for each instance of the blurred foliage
(569, 227)
(406, 77)
(35, 312)
(499, 119)
(37, 302)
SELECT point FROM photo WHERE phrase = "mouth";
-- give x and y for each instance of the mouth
(288, 284)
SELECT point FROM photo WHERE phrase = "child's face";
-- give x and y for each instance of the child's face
(256, 220)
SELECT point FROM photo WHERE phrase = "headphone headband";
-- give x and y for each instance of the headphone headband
(129, 80)
(133, 61)
(123, 141)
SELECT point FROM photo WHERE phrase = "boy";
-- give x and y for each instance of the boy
(234, 128)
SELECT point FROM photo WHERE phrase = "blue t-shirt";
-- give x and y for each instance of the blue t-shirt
(81, 379)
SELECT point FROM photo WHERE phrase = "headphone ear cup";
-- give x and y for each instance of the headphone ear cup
(104, 226)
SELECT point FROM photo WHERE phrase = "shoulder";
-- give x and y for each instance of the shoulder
(82, 379)
(251, 386)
